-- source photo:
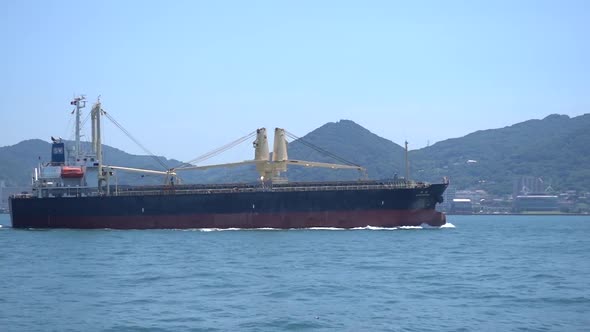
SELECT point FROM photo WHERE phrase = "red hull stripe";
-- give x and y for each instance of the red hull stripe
(339, 219)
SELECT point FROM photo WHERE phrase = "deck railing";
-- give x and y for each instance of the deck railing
(174, 191)
(204, 190)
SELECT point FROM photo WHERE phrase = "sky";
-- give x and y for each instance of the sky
(185, 77)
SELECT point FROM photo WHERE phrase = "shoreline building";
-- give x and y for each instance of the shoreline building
(461, 206)
(536, 203)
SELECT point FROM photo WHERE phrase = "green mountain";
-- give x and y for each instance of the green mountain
(554, 148)
(17, 161)
(346, 139)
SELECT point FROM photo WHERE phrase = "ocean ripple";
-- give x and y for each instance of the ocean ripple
(487, 273)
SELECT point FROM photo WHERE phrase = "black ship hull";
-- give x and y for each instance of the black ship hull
(342, 208)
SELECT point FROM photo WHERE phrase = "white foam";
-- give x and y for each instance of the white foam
(365, 228)
(411, 227)
(218, 229)
(374, 228)
(324, 228)
(447, 225)
(207, 229)
(233, 229)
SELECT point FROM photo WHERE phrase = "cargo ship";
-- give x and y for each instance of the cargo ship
(75, 190)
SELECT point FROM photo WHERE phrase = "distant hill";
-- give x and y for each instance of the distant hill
(17, 161)
(555, 148)
(350, 141)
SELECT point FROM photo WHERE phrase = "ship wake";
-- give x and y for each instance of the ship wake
(366, 228)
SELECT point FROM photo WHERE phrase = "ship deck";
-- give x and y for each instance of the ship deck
(205, 189)
(327, 186)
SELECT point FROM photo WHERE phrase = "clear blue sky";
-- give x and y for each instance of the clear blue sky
(188, 76)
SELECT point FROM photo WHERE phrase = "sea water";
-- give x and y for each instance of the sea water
(490, 273)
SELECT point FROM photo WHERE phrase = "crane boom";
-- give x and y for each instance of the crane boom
(140, 170)
(245, 162)
(323, 165)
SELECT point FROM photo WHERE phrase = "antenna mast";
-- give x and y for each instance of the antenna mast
(407, 163)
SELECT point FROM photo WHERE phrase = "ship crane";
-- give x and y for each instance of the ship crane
(270, 168)
(106, 171)
(303, 163)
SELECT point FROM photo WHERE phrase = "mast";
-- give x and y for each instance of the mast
(97, 144)
(93, 130)
(407, 163)
(80, 103)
